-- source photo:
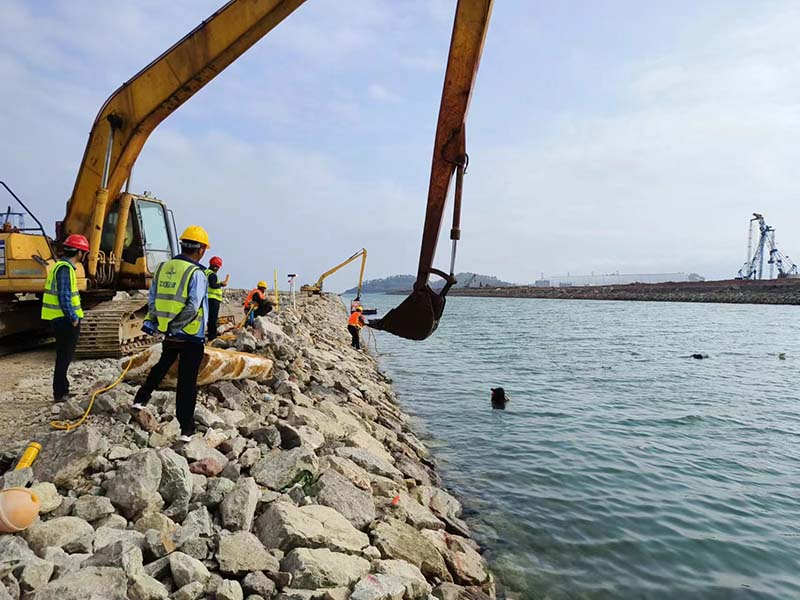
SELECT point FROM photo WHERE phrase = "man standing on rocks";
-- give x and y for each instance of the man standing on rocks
(214, 294)
(177, 307)
(61, 305)
(354, 325)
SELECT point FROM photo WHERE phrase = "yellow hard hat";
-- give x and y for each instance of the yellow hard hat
(195, 233)
(262, 284)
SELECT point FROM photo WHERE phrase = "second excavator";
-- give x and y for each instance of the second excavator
(130, 234)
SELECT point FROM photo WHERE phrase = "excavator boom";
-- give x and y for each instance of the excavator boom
(137, 108)
(317, 287)
(418, 316)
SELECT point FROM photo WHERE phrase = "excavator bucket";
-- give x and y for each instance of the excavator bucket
(418, 316)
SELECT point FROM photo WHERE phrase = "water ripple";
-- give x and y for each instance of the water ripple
(622, 467)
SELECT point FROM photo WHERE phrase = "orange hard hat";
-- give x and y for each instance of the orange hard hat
(77, 241)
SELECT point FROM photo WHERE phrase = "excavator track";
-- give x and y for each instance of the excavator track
(113, 329)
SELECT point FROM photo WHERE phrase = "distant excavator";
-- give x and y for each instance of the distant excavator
(130, 234)
(316, 288)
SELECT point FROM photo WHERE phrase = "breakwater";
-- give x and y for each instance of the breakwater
(733, 291)
(308, 486)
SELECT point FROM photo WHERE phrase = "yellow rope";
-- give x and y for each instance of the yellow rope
(69, 426)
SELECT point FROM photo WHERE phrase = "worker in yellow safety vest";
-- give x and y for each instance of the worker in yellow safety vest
(215, 291)
(61, 305)
(354, 325)
(177, 306)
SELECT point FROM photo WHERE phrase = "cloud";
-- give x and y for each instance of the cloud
(381, 93)
(318, 141)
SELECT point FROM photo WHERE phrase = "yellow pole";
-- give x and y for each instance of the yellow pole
(277, 296)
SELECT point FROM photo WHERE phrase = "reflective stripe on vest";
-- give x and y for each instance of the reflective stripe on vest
(51, 307)
(213, 293)
(172, 293)
(355, 319)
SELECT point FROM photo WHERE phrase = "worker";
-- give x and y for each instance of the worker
(354, 325)
(499, 398)
(214, 294)
(257, 304)
(177, 306)
(61, 305)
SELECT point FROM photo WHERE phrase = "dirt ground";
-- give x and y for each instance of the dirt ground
(26, 395)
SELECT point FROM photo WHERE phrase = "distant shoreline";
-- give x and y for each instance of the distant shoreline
(730, 291)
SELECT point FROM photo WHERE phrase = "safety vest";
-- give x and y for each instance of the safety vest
(172, 293)
(355, 319)
(213, 293)
(51, 308)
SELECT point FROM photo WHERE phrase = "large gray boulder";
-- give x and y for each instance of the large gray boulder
(379, 587)
(122, 555)
(281, 468)
(286, 526)
(35, 574)
(229, 590)
(239, 506)
(242, 552)
(134, 489)
(466, 565)
(144, 587)
(14, 550)
(398, 540)
(369, 461)
(416, 586)
(186, 569)
(66, 454)
(48, 496)
(338, 492)
(228, 394)
(92, 508)
(176, 483)
(107, 583)
(109, 535)
(440, 502)
(313, 568)
(70, 533)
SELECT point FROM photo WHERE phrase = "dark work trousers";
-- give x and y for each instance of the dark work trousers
(354, 332)
(66, 340)
(189, 355)
(213, 315)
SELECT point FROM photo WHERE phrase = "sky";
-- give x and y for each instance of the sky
(604, 135)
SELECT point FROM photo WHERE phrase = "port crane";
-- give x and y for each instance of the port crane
(766, 248)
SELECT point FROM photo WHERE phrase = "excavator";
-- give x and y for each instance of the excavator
(130, 234)
(316, 288)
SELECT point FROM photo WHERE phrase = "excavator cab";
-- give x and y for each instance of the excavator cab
(146, 238)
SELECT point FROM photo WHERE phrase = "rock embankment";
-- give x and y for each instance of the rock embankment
(309, 486)
(772, 291)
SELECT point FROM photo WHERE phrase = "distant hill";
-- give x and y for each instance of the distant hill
(404, 283)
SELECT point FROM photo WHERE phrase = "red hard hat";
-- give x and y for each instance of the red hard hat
(215, 261)
(77, 241)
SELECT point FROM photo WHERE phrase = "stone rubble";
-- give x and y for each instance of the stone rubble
(310, 485)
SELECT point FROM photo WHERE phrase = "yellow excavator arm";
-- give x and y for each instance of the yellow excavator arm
(418, 316)
(131, 114)
(317, 287)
